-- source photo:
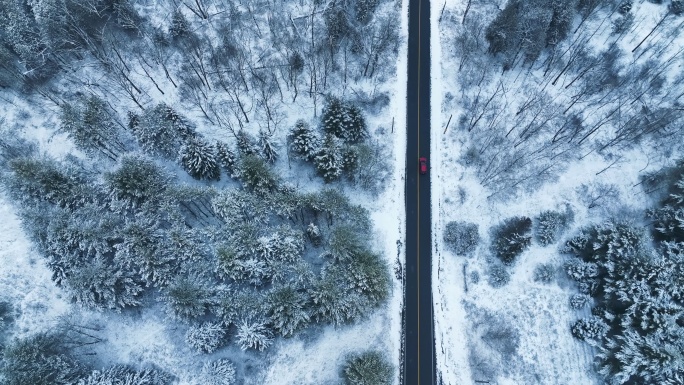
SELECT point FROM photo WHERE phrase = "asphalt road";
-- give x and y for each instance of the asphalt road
(419, 359)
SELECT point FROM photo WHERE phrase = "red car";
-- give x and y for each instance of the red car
(423, 165)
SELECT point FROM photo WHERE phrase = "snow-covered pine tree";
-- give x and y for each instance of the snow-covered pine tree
(126, 375)
(267, 148)
(625, 7)
(550, 226)
(654, 358)
(42, 359)
(332, 302)
(368, 275)
(137, 182)
(287, 310)
(370, 367)
(591, 329)
(364, 10)
(100, 285)
(199, 159)
(329, 162)
(246, 144)
(579, 301)
(141, 250)
(188, 297)
(285, 244)
(226, 159)
(344, 242)
(42, 179)
(676, 7)
(257, 175)
(350, 159)
(581, 271)
(161, 131)
(23, 36)
(219, 372)
(91, 128)
(206, 337)
(254, 334)
(511, 238)
(344, 120)
(304, 142)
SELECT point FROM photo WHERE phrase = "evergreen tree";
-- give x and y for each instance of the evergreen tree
(511, 238)
(257, 175)
(206, 338)
(40, 179)
(91, 127)
(303, 141)
(188, 297)
(370, 367)
(579, 301)
(328, 161)
(364, 10)
(141, 250)
(219, 372)
(246, 144)
(287, 310)
(268, 149)
(226, 159)
(368, 275)
(332, 302)
(498, 276)
(199, 160)
(625, 7)
(43, 359)
(137, 182)
(97, 284)
(550, 226)
(253, 334)
(286, 245)
(344, 120)
(591, 329)
(161, 131)
(125, 375)
(350, 159)
(24, 38)
(544, 273)
(345, 242)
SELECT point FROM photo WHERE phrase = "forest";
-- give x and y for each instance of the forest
(561, 127)
(208, 148)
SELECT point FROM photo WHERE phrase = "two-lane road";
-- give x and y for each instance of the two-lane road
(419, 359)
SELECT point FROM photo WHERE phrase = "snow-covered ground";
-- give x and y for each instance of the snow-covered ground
(539, 315)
